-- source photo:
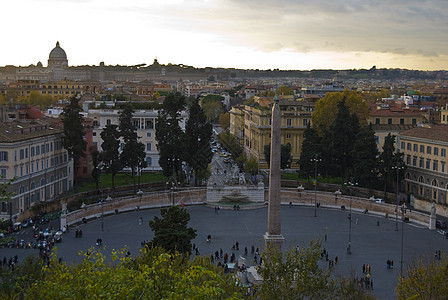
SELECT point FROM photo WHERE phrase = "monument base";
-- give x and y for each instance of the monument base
(432, 222)
(273, 240)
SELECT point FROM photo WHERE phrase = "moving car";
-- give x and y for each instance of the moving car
(440, 224)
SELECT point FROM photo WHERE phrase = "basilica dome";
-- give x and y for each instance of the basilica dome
(57, 58)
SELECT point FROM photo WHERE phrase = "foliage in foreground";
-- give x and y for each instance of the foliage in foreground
(426, 278)
(154, 274)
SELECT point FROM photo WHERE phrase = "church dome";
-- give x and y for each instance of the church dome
(58, 52)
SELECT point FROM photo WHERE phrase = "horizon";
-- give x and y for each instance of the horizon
(249, 35)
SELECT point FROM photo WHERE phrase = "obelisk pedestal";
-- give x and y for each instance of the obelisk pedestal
(273, 236)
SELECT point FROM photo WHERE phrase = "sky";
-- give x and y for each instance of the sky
(246, 34)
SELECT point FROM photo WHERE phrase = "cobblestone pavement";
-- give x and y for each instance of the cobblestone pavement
(374, 239)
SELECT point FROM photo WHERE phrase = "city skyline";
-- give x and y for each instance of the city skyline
(263, 34)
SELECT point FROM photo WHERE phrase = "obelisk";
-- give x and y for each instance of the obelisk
(273, 236)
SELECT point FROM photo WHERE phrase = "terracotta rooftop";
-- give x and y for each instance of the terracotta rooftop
(16, 130)
(434, 132)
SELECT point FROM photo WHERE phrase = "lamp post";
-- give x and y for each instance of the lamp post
(397, 167)
(139, 194)
(315, 160)
(403, 213)
(349, 248)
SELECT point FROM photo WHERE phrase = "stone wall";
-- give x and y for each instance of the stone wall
(425, 205)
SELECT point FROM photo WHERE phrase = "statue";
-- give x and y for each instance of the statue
(433, 209)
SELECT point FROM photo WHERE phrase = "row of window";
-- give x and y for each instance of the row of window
(426, 164)
(389, 121)
(422, 149)
(34, 166)
(60, 92)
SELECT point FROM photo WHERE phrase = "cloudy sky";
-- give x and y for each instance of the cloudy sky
(252, 34)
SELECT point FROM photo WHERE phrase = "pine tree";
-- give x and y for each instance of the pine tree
(73, 140)
(285, 155)
(389, 160)
(198, 153)
(365, 157)
(310, 147)
(133, 154)
(110, 156)
(169, 135)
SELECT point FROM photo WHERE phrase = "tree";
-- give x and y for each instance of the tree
(310, 147)
(171, 230)
(3, 100)
(230, 142)
(110, 156)
(388, 159)
(153, 274)
(73, 140)
(285, 155)
(224, 121)
(251, 166)
(6, 194)
(169, 135)
(327, 108)
(212, 110)
(96, 172)
(198, 153)
(133, 154)
(365, 157)
(425, 278)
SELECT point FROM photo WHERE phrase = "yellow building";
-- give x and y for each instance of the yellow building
(252, 126)
(444, 115)
(425, 153)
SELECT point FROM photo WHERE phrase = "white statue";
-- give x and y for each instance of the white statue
(433, 209)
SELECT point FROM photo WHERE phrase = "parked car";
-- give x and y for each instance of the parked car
(440, 224)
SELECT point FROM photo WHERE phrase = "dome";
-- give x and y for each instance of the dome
(58, 52)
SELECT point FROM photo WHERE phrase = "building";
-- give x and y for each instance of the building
(253, 124)
(144, 121)
(425, 154)
(31, 151)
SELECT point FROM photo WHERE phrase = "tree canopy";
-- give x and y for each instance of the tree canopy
(110, 156)
(171, 230)
(285, 155)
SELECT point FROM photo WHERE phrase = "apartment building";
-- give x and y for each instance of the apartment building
(425, 154)
(256, 133)
(31, 151)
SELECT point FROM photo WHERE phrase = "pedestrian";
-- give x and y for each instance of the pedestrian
(211, 258)
(220, 252)
(255, 259)
(194, 246)
(371, 284)
(80, 233)
(325, 237)
(76, 233)
(245, 251)
(388, 264)
(357, 220)
(363, 268)
(237, 245)
(252, 249)
(197, 251)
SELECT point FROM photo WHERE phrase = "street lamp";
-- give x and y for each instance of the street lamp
(315, 160)
(349, 248)
(139, 194)
(403, 212)
(397, 167)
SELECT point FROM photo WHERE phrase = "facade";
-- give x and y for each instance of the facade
(144, 121)
(295, 116)
(59, 89)
(32, 152)
(425, 154)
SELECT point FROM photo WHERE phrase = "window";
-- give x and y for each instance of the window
(415, 147)
(377, 121)
(22, 154)
(32, 151)
(108, 122)
(401, 121)
(402, 145)
(32, 167)
(148, 134)
(408, 159)
(428, 164)
(149, 124)
(27, 169)
(414, 161)
(305, 122)
(422, 149)
(47, 148)
(3, 172)
(37, 166)
(408, 146)
(94, 133)
(421, 163)
(51, 146)
(389, 121)
(435, 165)
(15, 171)
(414, 121)
(442, 167)
(288, 135)
(42, 148)
(26, 152)
(21, 170)
(436, 151)
(136, 123)
(377, 139)
(37, 150)
(148, 161)
(443, 152)
(52, 162)
(428, 149)
(15, 155)
(3, 156)
(288, 122)
(148, 146)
